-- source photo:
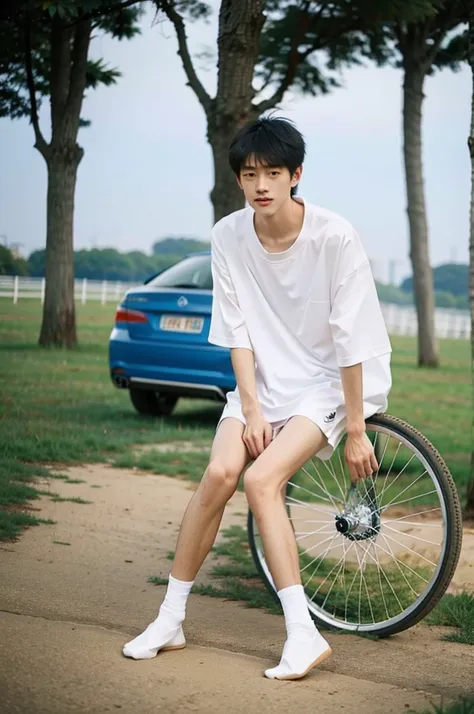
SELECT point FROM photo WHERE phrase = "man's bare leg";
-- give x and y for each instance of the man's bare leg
(204, 513)
(197, 534)
(265, 482)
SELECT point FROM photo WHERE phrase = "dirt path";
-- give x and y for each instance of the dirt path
(66, 610)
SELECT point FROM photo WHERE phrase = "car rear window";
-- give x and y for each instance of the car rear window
(193, 272)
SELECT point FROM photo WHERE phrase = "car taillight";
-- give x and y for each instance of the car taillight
(125, 315)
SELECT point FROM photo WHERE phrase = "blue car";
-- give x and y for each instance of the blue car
(159, 349)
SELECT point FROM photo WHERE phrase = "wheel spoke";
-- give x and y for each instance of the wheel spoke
(410, 535)
(308, 550)
(322, 485)
(388, 472)
(398, 566)
(410, 485)
(407, 500)
(367, 559)
(328, 496)
(320, 558)
(300, 536)
(332, 473)
(296, 503)
(410, 550)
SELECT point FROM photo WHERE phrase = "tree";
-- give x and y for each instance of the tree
(308, 27)
(10, 264)
(300, 46)
(469, 511)
(179, 246)
(418, 37)
(44, 53)
(449, 277)
(420, 48)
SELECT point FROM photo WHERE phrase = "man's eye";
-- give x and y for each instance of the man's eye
(274, 173)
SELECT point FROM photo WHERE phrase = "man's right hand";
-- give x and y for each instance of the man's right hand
(257, 433)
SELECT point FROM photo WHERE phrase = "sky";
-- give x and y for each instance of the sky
(147, 169)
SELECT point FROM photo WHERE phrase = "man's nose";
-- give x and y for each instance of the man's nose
(261, 184)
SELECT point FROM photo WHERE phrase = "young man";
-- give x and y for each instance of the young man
(295, 301)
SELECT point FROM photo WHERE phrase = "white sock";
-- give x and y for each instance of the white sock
(173, 607)
(305, 647)
(295, 608)
(166, 631)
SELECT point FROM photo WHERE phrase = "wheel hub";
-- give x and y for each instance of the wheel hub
(359, 521)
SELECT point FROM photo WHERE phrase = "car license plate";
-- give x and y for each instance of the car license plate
(181, 323)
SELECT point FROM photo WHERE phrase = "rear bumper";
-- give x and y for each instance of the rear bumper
(204, 371)
(182, 389)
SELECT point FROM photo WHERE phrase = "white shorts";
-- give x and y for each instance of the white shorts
(334, 430)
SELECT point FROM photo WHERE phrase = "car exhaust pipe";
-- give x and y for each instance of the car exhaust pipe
(120, 381)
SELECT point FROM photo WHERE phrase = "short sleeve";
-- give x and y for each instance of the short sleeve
(357, 324)
(228, 328)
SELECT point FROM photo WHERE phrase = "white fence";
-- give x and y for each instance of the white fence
(105, 291)
(400, 320)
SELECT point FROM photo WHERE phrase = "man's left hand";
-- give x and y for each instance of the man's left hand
(360, 457)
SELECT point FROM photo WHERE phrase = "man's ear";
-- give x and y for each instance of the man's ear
(237, 178)
(296, 178)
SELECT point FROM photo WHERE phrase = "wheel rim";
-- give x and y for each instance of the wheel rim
(369, 555)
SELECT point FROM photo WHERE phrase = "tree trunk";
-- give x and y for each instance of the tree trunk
(428, 353)
(240, 26)
(69, 51)
(226, 195)
(59, 318)
(469, 512)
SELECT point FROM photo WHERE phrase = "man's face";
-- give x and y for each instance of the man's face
(266, 188)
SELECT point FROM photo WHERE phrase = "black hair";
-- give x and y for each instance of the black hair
(273, 141)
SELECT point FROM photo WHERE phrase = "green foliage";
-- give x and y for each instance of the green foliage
(308, 42)
(305, 44)
(10, 265)
(448, 278)
(393, 294)
(14, 91)
(111, 264)
(456, 611)
(179, 246)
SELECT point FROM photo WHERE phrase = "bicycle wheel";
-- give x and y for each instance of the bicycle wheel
(378, 556)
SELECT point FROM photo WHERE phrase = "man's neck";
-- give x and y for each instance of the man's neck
(282, 228)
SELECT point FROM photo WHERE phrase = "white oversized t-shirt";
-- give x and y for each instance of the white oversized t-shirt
(305, 312)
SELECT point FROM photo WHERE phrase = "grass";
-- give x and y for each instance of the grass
(456, 611)
(60, 407)
(463, 706)
(236, 578)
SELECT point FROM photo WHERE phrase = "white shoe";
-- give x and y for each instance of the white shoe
(151, 641)
(299, 656)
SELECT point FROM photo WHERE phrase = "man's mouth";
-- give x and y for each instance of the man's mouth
(263, 201)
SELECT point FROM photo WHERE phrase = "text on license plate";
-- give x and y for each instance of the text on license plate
(178, 323)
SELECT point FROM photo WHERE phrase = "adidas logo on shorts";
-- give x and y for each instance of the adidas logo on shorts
(330, 417)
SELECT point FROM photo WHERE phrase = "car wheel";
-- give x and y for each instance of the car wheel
(152, 403)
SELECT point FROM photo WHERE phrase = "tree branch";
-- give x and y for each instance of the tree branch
(399, 33)
(40, 142)
(183, 51)
(450, 21)
(60, 71)
(109, 10)
(294, 61)
(77, 82)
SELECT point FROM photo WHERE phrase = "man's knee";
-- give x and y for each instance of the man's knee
(259, 485)
(220, 481)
